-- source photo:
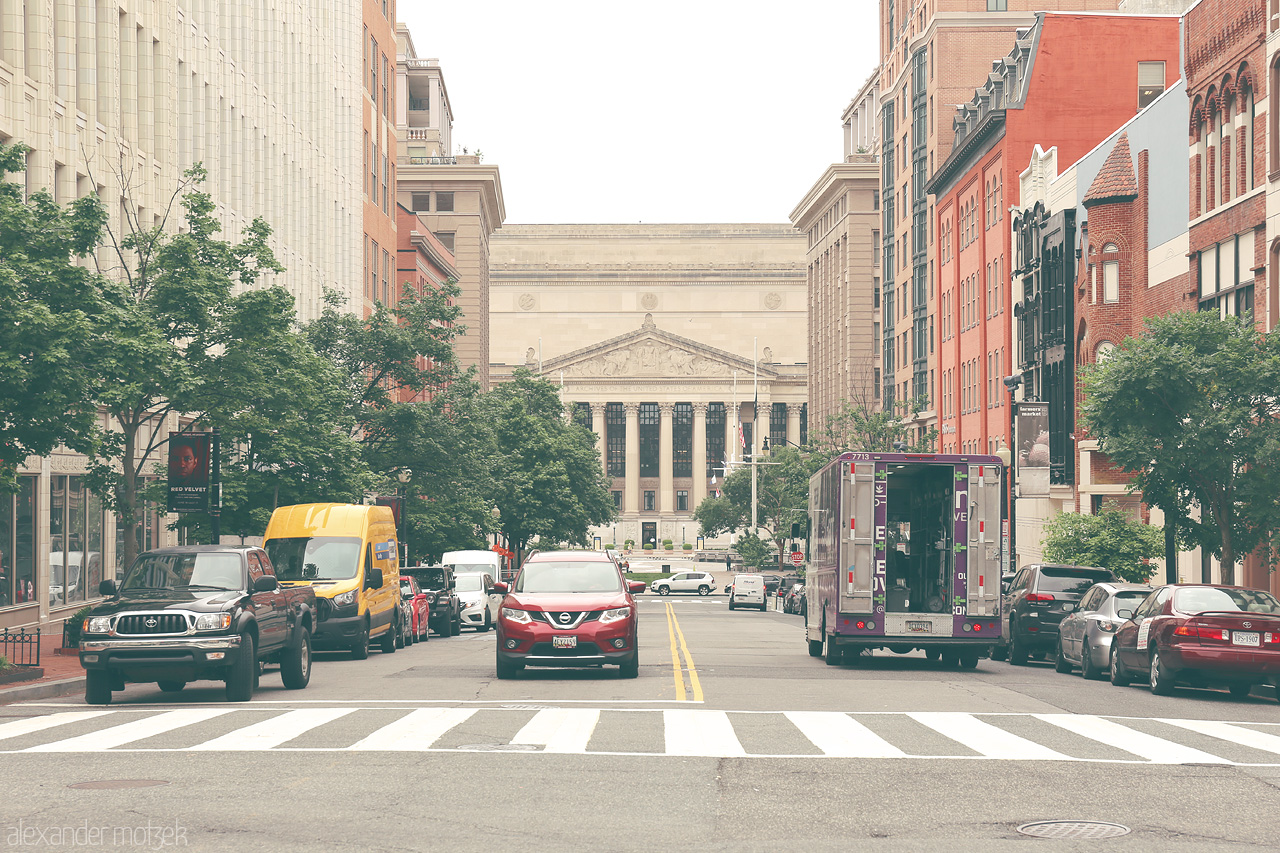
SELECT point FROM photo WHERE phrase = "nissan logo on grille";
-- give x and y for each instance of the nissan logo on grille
(566, 618)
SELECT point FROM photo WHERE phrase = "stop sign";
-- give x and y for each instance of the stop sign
(797, 558)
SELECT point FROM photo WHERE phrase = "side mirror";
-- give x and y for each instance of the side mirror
(501, 588)
(266, 583)
(637, 586)
(453, 583)
(373, 579)
(1126, 613)
(107, 588)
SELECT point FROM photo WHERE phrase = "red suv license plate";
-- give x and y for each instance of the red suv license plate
(564, 642)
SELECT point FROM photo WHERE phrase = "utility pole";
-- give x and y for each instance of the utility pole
(755, 397)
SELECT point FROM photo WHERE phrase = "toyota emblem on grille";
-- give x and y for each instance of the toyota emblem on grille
(151, 622)
(566, 618)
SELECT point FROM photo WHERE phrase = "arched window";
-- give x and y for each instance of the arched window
(1248, 158)
(1211, 170)
(1200, 186)
(1105, 350)
(1225, 148)
(1273, 116)
(1110, 274)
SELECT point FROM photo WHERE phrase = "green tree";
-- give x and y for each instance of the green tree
(860, 425)
(753, 550)
(56, 314)
(1190, 408)
(547, 475)
(1109, 540)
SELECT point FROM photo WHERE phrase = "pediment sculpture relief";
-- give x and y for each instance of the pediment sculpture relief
(648, 359)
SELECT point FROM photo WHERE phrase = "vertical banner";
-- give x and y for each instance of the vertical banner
(188, 472)
(1033, 450)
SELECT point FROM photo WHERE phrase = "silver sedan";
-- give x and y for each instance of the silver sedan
(1084, 636)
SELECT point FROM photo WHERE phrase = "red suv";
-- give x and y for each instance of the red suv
(568, 608)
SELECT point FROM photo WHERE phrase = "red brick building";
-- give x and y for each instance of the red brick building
(1069, 82)
(423, 263)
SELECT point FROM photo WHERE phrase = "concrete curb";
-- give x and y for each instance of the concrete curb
(42, 690)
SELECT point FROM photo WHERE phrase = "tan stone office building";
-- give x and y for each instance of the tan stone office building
(664, 336)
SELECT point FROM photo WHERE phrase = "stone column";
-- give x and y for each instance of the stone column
(631, 497)
(666, 487)
(598, 427)
(699, 492)
(793, 423)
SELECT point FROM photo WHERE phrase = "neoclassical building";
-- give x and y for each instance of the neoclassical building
(667, 339)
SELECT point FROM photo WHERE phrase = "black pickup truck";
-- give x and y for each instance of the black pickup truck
(446, 609)
(197, 612)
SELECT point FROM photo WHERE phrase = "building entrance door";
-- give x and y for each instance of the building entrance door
(649, 534)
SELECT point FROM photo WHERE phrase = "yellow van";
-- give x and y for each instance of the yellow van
(349, 554)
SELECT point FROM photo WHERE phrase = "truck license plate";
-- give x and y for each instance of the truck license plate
(920, 627)
(564, 642)
(1245, 638)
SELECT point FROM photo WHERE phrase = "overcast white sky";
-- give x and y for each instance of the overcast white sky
(663, 111)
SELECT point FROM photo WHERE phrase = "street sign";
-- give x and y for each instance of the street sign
(797, 557)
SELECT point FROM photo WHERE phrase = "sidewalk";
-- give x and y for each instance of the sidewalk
(61, 675)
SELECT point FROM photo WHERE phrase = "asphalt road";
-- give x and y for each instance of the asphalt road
(732, 738)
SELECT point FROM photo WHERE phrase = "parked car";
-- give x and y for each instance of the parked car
(446, 607)
(1201, 635)
(568, 608)
(419, 606)
(771, 583)
(197, 612)
(795, 595)
(1084, 636)
(1038, 598)
(748, 591)
(479, 603)
(700, 582)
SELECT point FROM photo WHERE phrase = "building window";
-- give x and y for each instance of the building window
(650, 500)
(649, 419)
(778, 425)
(582, 415)
(715, 437)
(615, 418)
(1226, 277)
(386, 277)
(75, 550)
(18, 544)
(373, 271)
(1110, 275)
(421, 202)
(446, 239)
(617, 500)
(1150, 82)
(444, 202)
(682, 500)
(804, 417)
(682, 440)
(997, 5)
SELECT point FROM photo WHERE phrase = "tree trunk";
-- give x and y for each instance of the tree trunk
(1170, 549)
(129, 504)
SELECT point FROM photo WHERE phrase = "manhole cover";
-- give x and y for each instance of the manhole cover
(1073, 829)
(499, 747)
(118, 783)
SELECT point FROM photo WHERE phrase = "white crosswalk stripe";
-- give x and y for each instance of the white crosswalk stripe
(651, 731)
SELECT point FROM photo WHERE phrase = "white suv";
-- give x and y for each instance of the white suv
(700, 582)
(748, 591)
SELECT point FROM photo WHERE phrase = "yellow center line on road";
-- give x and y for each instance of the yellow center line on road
(675, 655)
(693, 671)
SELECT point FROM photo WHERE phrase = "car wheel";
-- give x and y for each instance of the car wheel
(835, 655)
(1240, 691)
(1119, 676)
(815, 648)
(241, 673)
(1161, 679)
(1017, 652)
(295, 667)
(704, 590)
(97, 687)
(171, 686)
(1088, 671)
(401, 641)
(631, 668)
(1060, 662)
(456, 628)
(508, 669)
(424, 625)
(731, 605)
(663, 590)
(932, 654)
(1000, 651)
(388, 644)
(484, 629)
(969, 660)
(360, 650)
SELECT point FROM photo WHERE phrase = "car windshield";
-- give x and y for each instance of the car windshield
(1129, 597)
(406, 588)
(315, 558)
(470, 583)
(569, 576)
(1072, 581)
(459, 568)
(1207, 598)
(429, 578)
(179, 571)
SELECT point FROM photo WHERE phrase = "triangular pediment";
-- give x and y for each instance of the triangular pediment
(651, 352)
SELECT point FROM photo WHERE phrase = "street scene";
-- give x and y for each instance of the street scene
(585, 427)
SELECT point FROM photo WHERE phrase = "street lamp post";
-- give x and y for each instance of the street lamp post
(1012, 383)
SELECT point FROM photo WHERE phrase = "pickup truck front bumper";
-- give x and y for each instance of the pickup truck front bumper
(157, 659)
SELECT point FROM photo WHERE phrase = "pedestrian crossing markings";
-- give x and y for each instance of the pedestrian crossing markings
(675, 732)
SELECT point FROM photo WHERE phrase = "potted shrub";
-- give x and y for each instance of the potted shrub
(629, 544)
(608, 546)
(666, 544)
(688, 546)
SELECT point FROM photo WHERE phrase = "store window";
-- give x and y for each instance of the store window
(18, 545)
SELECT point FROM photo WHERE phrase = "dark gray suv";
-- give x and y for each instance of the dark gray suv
(1035, 602)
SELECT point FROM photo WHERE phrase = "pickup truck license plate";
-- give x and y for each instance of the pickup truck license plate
(1245, 638)
(920, 627)
(564, 642)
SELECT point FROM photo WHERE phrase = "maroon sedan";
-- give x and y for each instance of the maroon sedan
(1200, 635)
(568, 608)
(419, 605)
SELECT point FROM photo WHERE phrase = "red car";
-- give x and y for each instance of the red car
(419, 606)
(568, 608)
(1200, 635)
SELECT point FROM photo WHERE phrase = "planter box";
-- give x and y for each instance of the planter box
(21, 673)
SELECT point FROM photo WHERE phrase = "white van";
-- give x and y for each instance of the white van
(488, 562)
(748, 591)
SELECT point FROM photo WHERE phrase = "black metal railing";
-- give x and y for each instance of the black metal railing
(433, 161)
(21, 648)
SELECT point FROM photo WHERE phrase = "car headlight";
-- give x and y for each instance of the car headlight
(431, 598)
(97, 625)
(213, 621)
(615, 615)
(345, 599)
(1109, 627)
(518, 616)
